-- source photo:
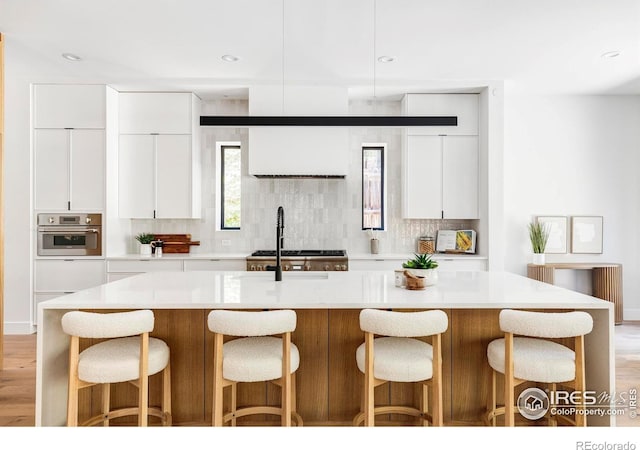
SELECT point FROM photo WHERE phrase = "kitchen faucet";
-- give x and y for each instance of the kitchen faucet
(279, 244)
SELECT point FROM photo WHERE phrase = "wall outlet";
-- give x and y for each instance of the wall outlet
(226, 242)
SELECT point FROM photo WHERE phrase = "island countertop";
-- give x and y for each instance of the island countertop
(327, 335)
(354, 289)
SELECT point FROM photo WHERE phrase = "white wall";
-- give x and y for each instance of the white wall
(575, 155)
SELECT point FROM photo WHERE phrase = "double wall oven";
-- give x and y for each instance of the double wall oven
(69, 234)
(300, 260)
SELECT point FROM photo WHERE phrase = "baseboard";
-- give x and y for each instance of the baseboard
(19, 328)
(631, 314)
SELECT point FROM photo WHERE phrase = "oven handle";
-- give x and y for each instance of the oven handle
(67, 230)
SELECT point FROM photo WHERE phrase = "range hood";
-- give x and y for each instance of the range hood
(298, 151)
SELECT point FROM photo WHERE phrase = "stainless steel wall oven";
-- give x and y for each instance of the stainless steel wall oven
(69, 234)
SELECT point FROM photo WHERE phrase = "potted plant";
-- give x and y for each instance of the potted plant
(145, 240)
(538, 235)
(423, 265)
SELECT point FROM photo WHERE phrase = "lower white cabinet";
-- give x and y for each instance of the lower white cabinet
(144, 265)
(56, 277)
(444, 264)
(375, 264)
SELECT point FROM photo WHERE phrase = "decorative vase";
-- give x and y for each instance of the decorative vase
(430, 275)
(538, 259)
(145, 249)
(375, 247)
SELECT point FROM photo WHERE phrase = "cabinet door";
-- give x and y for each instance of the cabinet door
(51, 155)
(68, 275)
(69, 106)
(87, 180)
(422, 184)
(214, 264)
(174, 184)
(155, 112)
(460, 177)
(136, 176)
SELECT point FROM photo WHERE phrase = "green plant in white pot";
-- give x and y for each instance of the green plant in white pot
(423, 265)
(538, 235)
(145, 240)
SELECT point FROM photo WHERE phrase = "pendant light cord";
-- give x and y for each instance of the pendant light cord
(375, 102)
(283, 57)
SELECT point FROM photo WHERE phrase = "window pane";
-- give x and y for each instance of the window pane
(231, 181)
(372, 188)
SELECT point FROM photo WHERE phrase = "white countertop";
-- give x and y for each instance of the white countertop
(354, 289)
(205, 256)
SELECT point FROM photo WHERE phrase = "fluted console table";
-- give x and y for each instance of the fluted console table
(606, 280)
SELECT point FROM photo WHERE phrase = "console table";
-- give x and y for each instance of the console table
(606, 280)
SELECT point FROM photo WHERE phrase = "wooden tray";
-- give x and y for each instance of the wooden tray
(176, 243)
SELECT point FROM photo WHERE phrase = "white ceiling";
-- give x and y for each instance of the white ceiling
(551, 46)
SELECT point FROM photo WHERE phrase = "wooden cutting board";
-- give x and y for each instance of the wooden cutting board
(176, 243)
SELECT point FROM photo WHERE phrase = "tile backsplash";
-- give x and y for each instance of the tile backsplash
(319, 213)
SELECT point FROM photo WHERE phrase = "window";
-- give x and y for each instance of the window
(373, 171)
(230, 185)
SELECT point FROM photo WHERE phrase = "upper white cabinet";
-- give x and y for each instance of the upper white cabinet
(159, 155)
(295, 150)
(69, 106)
(69, 146)
(156, 112)
(440, 177)
(463, 106)
(69, 169)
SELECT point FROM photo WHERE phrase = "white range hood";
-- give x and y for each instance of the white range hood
(298, 151)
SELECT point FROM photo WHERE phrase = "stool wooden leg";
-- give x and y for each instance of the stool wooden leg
(509, 419)
(493, 400)
(553, 422)
(166, 395)
(234, 403)
(218, 394)
(369, 397)
(286, 380)
(143, 382)
(580, 385)
(72, 396)
(425, 404)
(294, 408)
(106, 403)
(436, 381)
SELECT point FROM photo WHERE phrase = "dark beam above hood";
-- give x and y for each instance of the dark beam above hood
(329, 121)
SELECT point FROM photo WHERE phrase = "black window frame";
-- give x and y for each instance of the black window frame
(382, 150)
(222, 193)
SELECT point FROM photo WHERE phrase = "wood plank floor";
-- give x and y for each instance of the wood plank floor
(17, 380)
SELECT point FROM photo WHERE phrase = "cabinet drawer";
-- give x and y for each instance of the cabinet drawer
(115, 276)
(449, 264)
(68, 275)
(375, 264)
(215, 264)
(145, 265)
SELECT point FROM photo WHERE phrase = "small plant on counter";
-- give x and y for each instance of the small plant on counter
(538, 234)
(421, 261)
(145, 238)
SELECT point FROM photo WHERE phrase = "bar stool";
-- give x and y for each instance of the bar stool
(401, 358)
(255, 356)
(128, 355)
(535, 358)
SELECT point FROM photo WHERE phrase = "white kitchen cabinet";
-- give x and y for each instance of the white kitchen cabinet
(69, 169)
(69, 106)
(144, 265)
(214, 264)
(440, 177)
(463, 106)
(68, 275)
(156, 112)
(157, 177)
(376, 264)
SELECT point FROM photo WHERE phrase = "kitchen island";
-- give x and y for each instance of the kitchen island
(329, 385)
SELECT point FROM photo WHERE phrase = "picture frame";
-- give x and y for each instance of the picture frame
(586, 234)
(557, 226)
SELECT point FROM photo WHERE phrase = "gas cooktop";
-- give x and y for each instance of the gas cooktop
(300, 253)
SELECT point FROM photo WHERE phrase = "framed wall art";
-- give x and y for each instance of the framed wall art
(586, 234)
(557, 226)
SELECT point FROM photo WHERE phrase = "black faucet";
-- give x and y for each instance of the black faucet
(279, 244)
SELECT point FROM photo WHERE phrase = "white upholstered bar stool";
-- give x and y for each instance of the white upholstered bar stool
(398, 357)
(534, 357)
(256, 355)
(127, 355)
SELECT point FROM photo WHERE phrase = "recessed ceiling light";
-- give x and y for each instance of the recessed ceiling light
(230, 58)
(611, 54)
(385, 59)
(71, 57)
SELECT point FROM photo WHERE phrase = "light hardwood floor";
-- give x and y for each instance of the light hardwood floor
(17, 380)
